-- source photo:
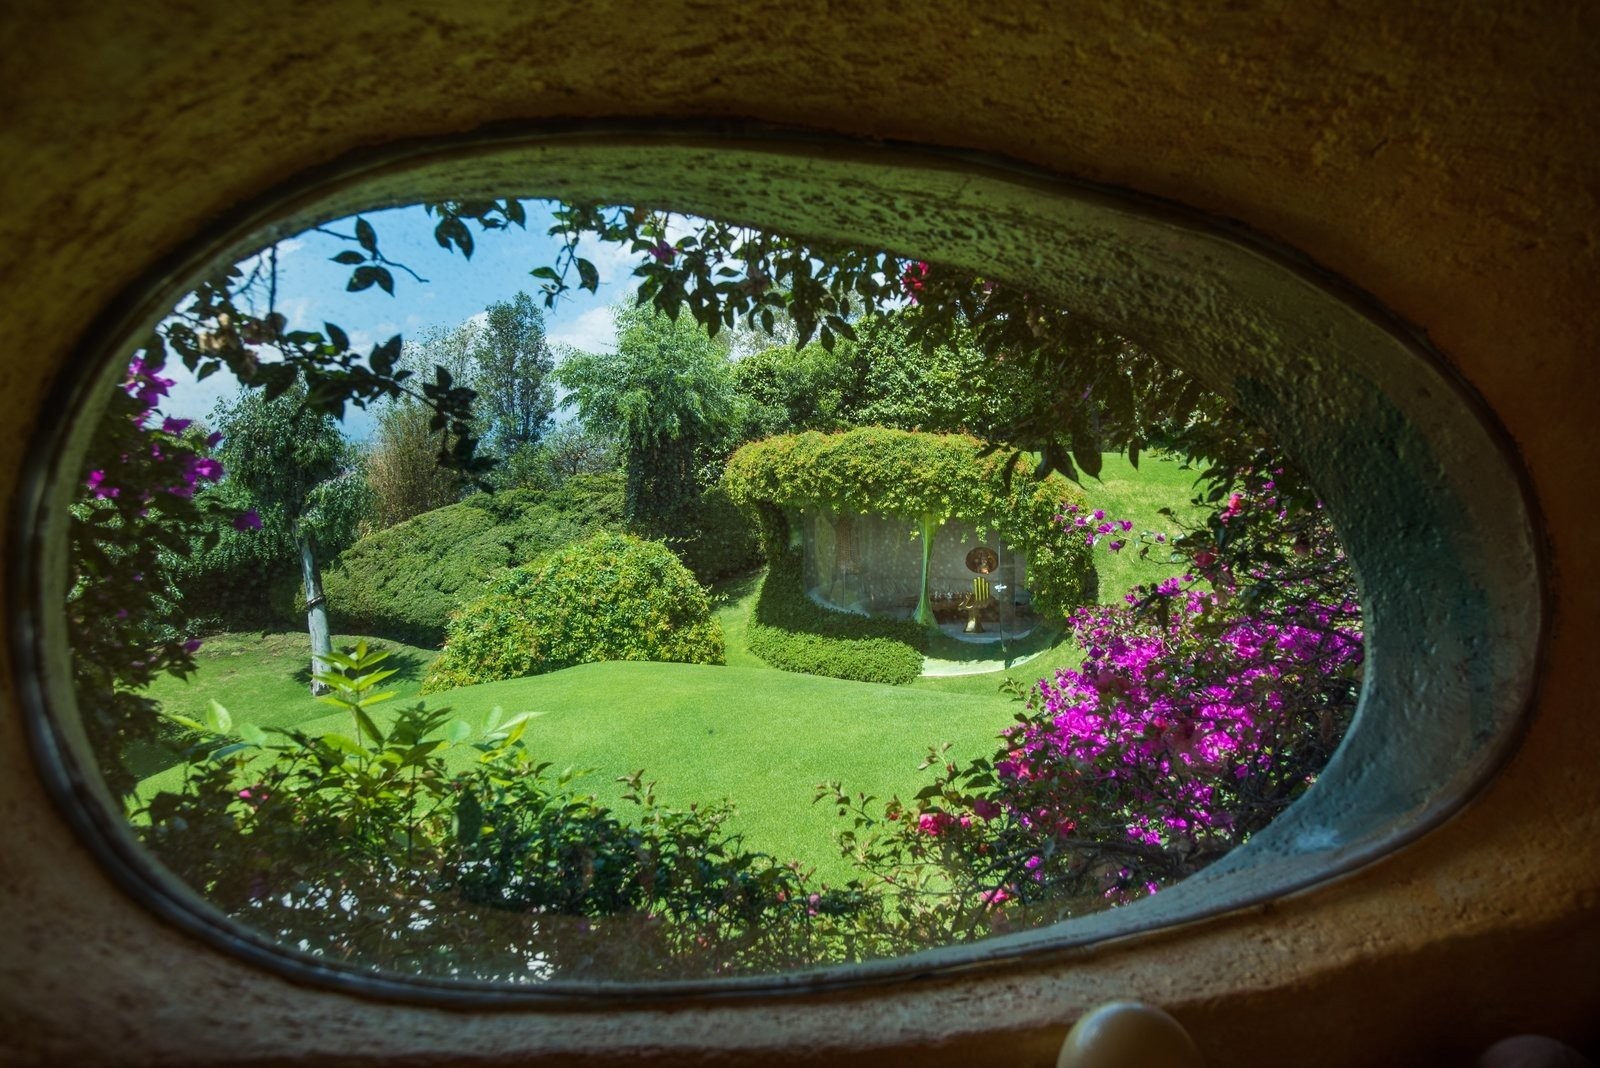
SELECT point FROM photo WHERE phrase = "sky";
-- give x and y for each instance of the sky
(311, 291)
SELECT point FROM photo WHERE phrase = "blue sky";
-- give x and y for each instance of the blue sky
(311, 291)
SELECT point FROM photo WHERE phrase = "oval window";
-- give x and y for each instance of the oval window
(677, 600)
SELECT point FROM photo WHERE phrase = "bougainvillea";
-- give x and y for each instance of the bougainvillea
(137, 504)
(1201, 709)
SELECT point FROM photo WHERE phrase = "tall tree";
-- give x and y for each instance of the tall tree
(512, 374)
(304, 481)
(403, 466)
(667, 396)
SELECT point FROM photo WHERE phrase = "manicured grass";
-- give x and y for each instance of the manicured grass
(1139, 494)
(265, 679)
(763, 738)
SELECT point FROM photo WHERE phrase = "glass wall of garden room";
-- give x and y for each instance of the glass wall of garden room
(976, 583)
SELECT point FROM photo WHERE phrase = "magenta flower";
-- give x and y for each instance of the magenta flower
(97, 483)
(249, 520)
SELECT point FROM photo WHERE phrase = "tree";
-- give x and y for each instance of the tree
(304, 481)
(572, 448)
(667, 395)
(403, 465)
(788, 390)
(512, 366)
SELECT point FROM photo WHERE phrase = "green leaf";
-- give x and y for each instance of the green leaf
(343, 743)
(192, 724)
(218, 719)
(469, 818)
(458, 731)
(368, 727)
(362, 278)
(252, 734)
(366, 235)
(588, 276)
(349, 257)
(337, 337)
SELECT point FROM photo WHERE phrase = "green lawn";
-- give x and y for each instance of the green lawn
(1126, 493)
(761, 737)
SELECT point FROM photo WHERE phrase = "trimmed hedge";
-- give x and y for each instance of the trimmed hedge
(792, 632)
(611, 597)
(874, 470)
(404, 582)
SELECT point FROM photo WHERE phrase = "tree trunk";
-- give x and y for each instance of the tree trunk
(316, 615)
(930, 527)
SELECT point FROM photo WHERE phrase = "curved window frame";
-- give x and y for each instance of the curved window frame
(1424, 488)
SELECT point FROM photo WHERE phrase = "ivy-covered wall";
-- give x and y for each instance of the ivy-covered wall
(929, 478)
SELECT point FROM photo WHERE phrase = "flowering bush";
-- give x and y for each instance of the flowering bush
(137, 504)
(1201, 709)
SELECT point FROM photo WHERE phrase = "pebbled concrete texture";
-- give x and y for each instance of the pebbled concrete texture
(1442, 157)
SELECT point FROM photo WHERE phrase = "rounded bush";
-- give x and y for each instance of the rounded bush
(610, 597)
(403, 582)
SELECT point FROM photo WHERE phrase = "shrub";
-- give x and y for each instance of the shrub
(612, 597)
(373, 849)
(792, 632)
(404, 582)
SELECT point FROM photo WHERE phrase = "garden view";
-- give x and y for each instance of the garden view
(841, 605)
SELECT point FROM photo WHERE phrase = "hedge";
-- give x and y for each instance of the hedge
(875, 470)
(403, 582)
(610, 597)
(792, 632)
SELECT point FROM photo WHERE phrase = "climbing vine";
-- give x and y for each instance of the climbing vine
(927, 478)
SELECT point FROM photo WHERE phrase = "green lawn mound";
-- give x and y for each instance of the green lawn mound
(760, 737)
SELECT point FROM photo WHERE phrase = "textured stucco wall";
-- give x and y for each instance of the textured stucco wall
(1441, 156)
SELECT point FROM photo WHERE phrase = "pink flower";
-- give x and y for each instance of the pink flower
(96, 482)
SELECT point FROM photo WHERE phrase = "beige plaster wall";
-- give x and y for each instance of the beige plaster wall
(1441, 155)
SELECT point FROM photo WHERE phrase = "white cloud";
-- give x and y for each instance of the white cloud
(593, 331)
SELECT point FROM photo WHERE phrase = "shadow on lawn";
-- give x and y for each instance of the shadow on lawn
(407, 667)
